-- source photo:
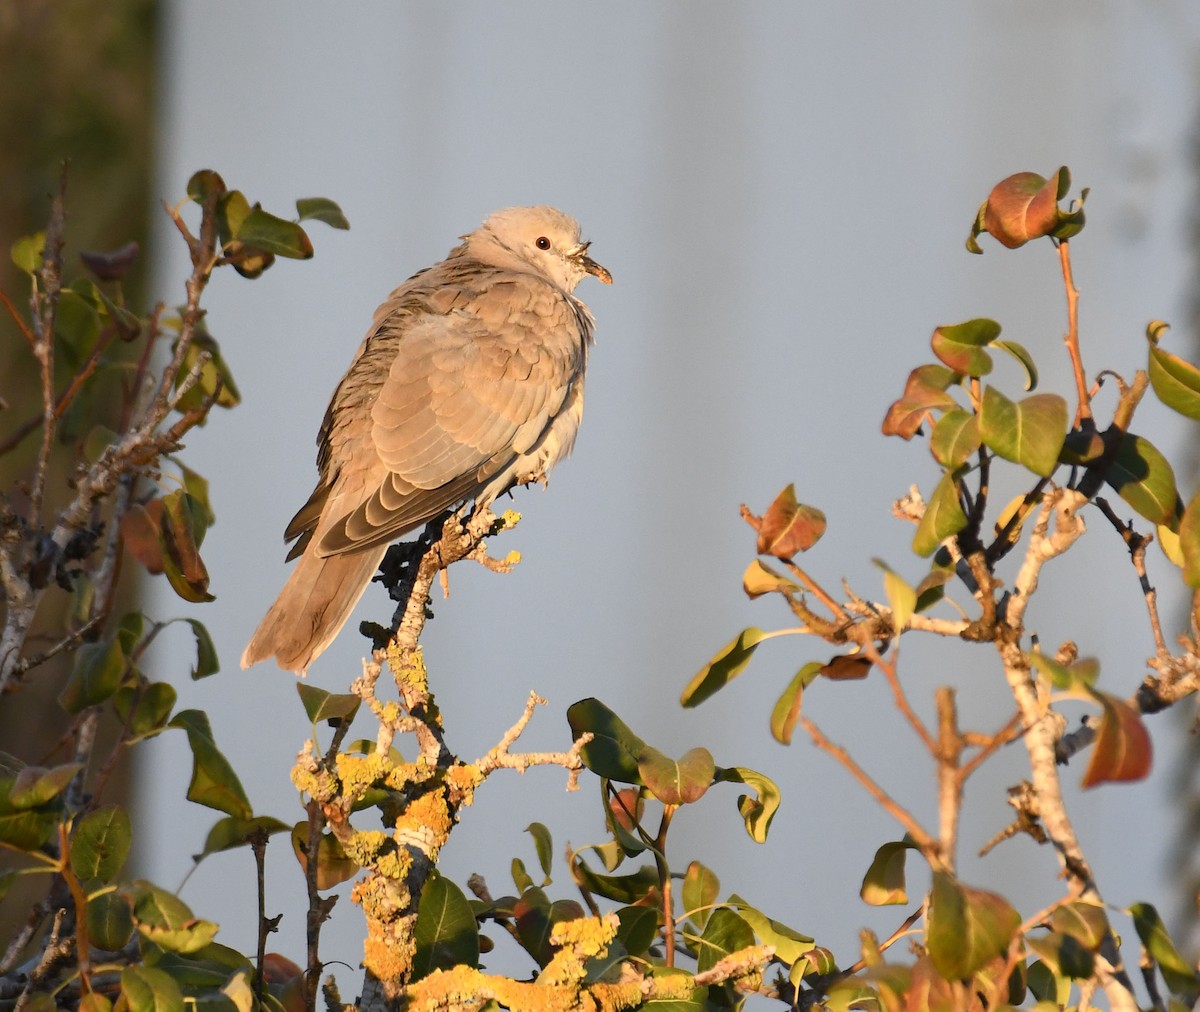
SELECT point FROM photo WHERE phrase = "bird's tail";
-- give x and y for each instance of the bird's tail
(312, 608)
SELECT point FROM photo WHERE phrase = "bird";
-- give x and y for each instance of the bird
(469, 382)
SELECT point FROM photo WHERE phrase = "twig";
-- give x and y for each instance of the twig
(1084, 410)
(923, 840)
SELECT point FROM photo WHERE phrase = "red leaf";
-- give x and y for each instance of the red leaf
(789, 527)
(141, 530)
(846, 667)
(1122, 751)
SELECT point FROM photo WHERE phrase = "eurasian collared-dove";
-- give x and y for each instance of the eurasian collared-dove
(470, 381)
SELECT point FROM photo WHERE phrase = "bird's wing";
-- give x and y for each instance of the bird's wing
(465, 394)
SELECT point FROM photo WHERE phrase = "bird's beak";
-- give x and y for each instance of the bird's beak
(591, 266)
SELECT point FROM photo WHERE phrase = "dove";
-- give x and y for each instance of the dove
(468, 383)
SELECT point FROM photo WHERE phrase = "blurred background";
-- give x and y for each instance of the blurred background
(781, 193)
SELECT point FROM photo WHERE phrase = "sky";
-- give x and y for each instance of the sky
(781, 193)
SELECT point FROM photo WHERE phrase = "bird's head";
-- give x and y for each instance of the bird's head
(543, 238)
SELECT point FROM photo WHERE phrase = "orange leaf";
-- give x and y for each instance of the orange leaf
(1122, 751)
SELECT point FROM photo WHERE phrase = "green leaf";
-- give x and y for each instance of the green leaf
(110, 921)
(1189, 542)
(640, 886)
(100, 843)
(1144, 479)
(77, 326)
(726, 932)
(786, 711)
(967, 927)
(321, 209)
(902, 599)
(1077, 677)
(206, 652)
(1181, 978)
(1176, 382)
(146, 989)
(700, 889)
(181, 534)
(1082, 920)
(204, 184)
(943, 517)
(1029, 432)
(25, 827)
(28, 251)
(955, 438)
(789, 944)
(520, 875)
(320, 705)
(266, 232)
(676, 781)
(789, 526)
(1064, 954)
(614, 749)
(639, 927)
(1019, 352)
(144, 708)
(729, 662)
(96, 675)
(446, 935)
(214, 380)
(960, 345)
(230, 832)
(168, 922)
(36, 786)
(757, 812)
(884, 882)
(214, 782)
(543, 843)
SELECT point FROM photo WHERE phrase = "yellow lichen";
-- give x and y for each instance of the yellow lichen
(363, 847)
(430, 813)
(463, 779)
(359, 773)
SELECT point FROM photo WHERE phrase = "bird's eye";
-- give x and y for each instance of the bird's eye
(542, 242)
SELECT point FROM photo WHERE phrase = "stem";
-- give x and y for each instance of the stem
(664, 884)
(1084, 411)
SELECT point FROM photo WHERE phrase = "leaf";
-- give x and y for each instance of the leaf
(321, 209)
(205, 184)
(960, 346)
(76, 325)
(1181, 978)
(333, 866)
(543, 843)
(146, 708)
(141, 533)
(700, 889)
(639, 928)
(520, 876)
(1077, 677)
(26, 827)
(96, 675)
(760, 579)
(1176, 382)
(757, 812)
(966, 927)
(846, 668)
(943, 517)
(213, 782)
(206, 652)
(955, 438)
(614, 749)
(111, 265)
(1030, 432)
(1064, 954)
(1024, 206)
(1189, 542)
(446, 934)
(1019, 352)
(925, 391)
(321, 705)
(1144, 479)
(1122, 751)
(28, 251)
(100, 843)
(35, 786)
(164, 919)
(270, 234)
(884, 883)
(640, 887)
(677, 781)
(789, 526)
(726, 932)
(1082, 920)
(902, 599)
(729, 662)
(789, 944)
(786, 711)
(145, 989)
(231, 832)
(110, 921)
(182, 534)
(196, 485)
(214, 379)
